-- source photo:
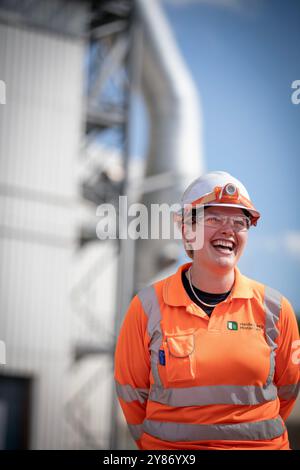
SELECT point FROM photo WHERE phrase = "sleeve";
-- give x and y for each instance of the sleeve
(287, 366)
(132, 368)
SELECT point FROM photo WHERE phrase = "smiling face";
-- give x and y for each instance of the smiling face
(214, 255)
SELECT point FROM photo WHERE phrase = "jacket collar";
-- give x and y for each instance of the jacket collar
(175, 294)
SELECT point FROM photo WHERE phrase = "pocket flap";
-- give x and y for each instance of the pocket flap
(181, 346)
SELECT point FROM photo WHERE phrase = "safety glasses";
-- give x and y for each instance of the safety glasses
(239, 223)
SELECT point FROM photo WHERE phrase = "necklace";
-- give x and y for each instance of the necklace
(191, 286)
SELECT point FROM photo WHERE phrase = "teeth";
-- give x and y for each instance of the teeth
(223, 243)
(224, 248)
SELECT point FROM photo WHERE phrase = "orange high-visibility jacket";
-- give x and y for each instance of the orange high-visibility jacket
(189, 381)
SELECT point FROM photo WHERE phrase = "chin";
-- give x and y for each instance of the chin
(225, 263)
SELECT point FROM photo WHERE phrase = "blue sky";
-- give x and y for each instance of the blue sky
(243, 56)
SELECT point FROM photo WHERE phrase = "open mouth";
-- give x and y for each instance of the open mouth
(224, 247)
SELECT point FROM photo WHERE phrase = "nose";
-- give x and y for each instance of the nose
(227, 231)
(227, 227)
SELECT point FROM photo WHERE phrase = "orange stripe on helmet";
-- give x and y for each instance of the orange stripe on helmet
(219, 195)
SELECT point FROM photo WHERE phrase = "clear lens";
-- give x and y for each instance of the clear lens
(239, 223)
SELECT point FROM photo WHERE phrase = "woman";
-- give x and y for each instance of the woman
(204, 357)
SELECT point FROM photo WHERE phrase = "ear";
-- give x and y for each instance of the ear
(185, 230)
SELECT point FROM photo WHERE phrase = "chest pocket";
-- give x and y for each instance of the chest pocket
(180, 357)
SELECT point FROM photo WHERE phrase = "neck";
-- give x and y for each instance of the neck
(214, 283)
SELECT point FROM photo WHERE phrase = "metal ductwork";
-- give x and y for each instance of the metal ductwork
(174, 155)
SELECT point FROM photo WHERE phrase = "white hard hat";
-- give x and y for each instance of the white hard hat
(219, 188)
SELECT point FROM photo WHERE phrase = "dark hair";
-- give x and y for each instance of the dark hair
(247, 213)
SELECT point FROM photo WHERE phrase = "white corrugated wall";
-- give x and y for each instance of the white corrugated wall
(40, 129)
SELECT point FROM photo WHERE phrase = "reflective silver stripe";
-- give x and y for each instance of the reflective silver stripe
(253, 431)
(209, 395)
(212, 395)
(151, 308)
(272, 311)
(136, 430)
(128, 393)
(286, 392)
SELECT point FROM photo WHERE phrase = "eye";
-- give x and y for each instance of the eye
(241, 222)
(212, 219)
